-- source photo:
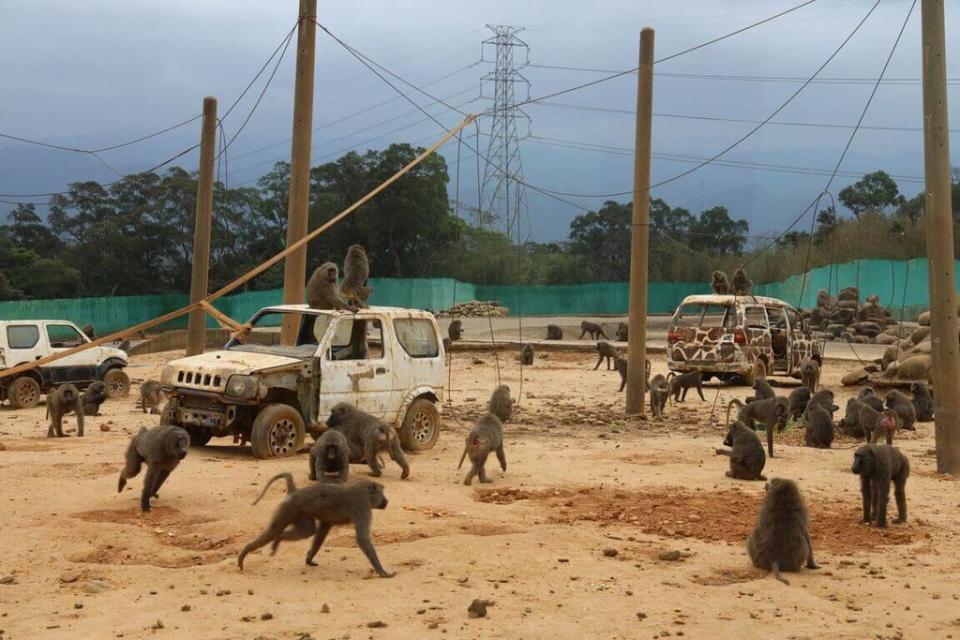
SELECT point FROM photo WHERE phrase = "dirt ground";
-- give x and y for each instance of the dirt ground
(600, 528)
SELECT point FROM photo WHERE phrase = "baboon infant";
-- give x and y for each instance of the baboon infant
(526, 356)
(878, 465)
(314, 510)
(607, 351)
(93, 397)
(323, 289)
(501, 405)
(455, 330)
(486, 436)
(720, 283)
(161, 448)
(593, 329)
(554, 332)
(747, 458)
(810, 374)
(61, 401)
(151, 396)
(683, 382)
(330, 458)
(367, 436)
(356, 271)
(781, 540)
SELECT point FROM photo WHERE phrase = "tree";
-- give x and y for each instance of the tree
(826, 224)
(602, 239)
(716, 233)
(874, 192)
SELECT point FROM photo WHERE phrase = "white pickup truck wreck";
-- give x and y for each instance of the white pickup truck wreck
(387, 361)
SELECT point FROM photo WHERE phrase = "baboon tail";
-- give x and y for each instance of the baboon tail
(291, 487)
(462, 457)
(775, 567)
(730, 404)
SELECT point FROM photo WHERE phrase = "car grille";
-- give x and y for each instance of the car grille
(198, 379)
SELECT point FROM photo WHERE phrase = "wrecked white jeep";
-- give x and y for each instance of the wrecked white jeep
(387, 361)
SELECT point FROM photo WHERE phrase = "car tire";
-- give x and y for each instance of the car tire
(118, 383)
(278, 432)
(199, 436)
(24, 393)
(421, 426)
(758, 370)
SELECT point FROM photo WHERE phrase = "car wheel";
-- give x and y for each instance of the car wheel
(24, 393)
(278, 431)
(759, 370)
(421, 426)
(198, 435)
(118, 383)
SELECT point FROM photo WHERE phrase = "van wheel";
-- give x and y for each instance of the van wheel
(278, 431)
(198, 435)
(24, 393)
(421, 426)
(759, 370)
(118, 383)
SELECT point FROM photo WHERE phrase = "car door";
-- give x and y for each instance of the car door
(78, 368)
(802, 343)
(356, 365)
(25, 343)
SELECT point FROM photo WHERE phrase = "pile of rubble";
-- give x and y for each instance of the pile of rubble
(844, 318)
(475, 309)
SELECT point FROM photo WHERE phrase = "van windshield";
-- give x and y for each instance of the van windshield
(264, 337)
(705, 316)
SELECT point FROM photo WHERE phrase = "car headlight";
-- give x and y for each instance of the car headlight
(166, 376)
(242, 387)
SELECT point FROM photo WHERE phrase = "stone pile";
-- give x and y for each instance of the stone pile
(844, 318)
(475, 309)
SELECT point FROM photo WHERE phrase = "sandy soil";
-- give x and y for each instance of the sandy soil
(600, 528)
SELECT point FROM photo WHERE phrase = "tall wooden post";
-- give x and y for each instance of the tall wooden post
(295, 265)
(640, 229)
(196, 324)
(940, 253)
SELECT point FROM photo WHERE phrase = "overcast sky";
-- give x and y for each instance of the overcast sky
(93, 73)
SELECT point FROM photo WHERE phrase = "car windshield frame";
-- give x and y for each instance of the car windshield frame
(302, 350)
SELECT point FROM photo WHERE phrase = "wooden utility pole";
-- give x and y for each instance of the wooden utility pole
(295, 266)
(640, 229)
(940, 254)
(197, 322)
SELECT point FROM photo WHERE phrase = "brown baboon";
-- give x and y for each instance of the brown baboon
(151, 396)
(659, 394)
(720, 283)
(526, 356)
(810, 374)
(798, 399)
(455, 330)
(621, 367)
(89, 331)
(623, 332)
(871, 423)
(61, 401)
(770, 412)
(850, 423)
(823, 399)
(330, 458)
(161, 448)
(781, 540)
(868, 397)
(314, 510)
(323, 289)
(818, 430)
(501, 405)
(356, 271)
(747, 458)
(877, 465)
(593, 329)
(683, 382)
(742, 285)
(922, 401)
(762, 390)
(903, 405)
(606, 351)
(93, 397)
(367, 436)
(486, 436)
(554, 332)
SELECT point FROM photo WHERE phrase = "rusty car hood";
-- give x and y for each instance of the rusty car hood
(211, 370)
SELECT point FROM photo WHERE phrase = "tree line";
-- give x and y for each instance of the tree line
(135, 236)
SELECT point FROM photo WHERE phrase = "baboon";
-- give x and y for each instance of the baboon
(446, 345)
(330, 458)
(762, 390)
(623, 332)
(868, 397)
(621, 366)
(606, 351)
(124, 345)
(356, 271)
(877, 465)
(810, 374)
(323, 289)
(659, 393)
(720, 283)
(314, 510)
(501, 405)
(593, 329)
(872, 423)
(89, 331)
(850, 423)
(770, 412)
(903, 405)
(922, 401)
(746, 453)
(683, 382)
(741, 283)
(818, 430)
(61, 401)
(151, 396)
(161, 448)
(781, 540)
(526, 356)
(93, 397)
(823, 399)
(798, 399)
(455, 330)
(367, 436)
(486, 436)
(554, 332)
